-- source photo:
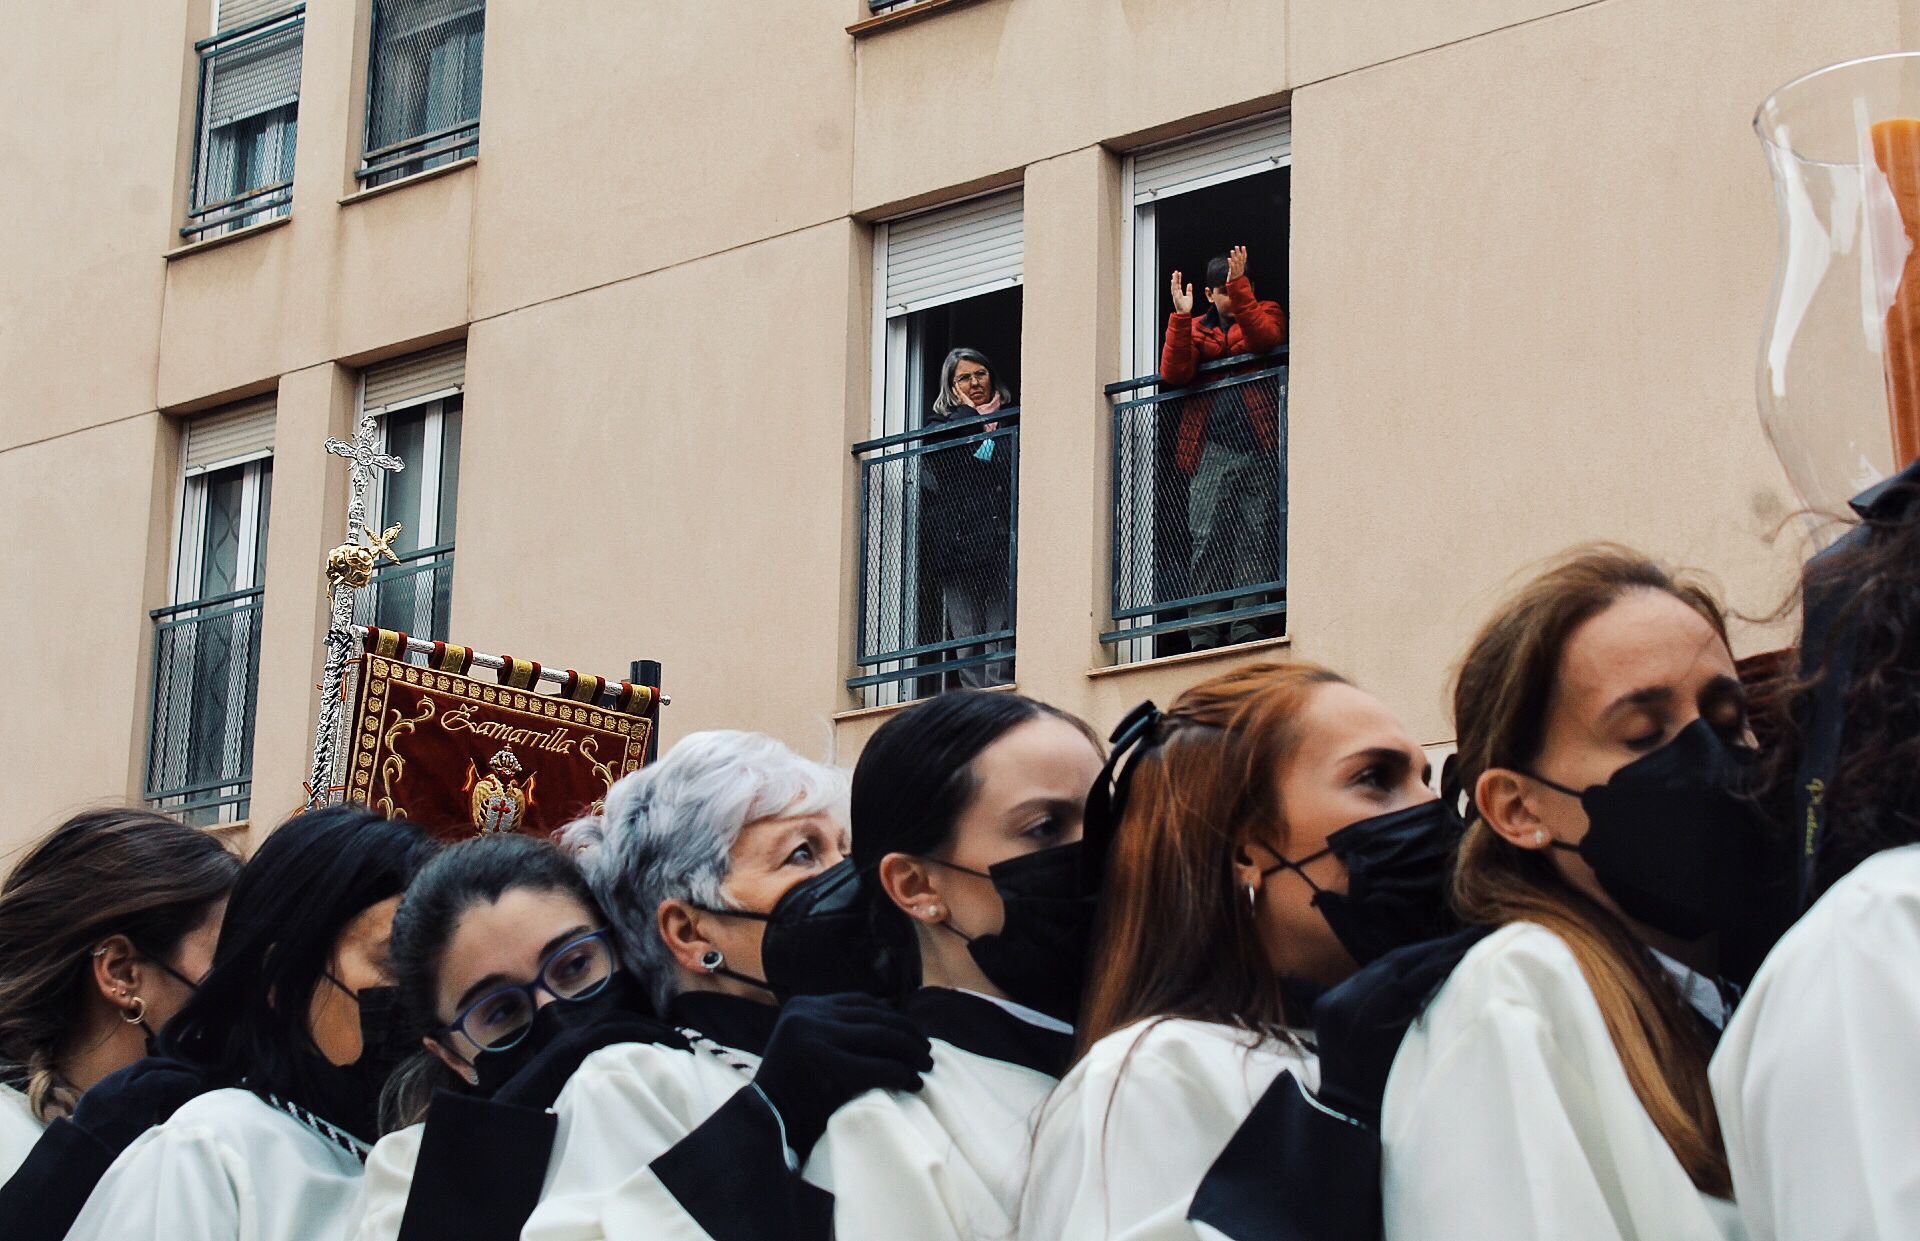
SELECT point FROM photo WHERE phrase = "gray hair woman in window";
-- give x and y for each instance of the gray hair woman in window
(699, 852)
(966, 515)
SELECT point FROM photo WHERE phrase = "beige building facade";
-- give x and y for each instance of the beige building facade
(1524, 248)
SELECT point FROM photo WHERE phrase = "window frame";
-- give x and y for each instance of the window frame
(399, 161)
(209, 217)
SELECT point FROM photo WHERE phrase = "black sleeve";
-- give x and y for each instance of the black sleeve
(731, 1176)
(44, 1197)
(480, 1170)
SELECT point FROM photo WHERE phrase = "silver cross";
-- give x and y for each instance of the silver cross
(366, 460)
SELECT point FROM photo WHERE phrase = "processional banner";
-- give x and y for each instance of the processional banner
(464, 757)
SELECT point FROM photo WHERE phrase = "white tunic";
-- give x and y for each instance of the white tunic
(1818, 1076)
(1132, 1130)
(226, 1167)
(1508, 1115)
(384, 1188)
(19, 1130)
(625, 1107)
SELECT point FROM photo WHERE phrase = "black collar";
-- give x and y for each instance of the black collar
(730, 1020)
(976, 1024)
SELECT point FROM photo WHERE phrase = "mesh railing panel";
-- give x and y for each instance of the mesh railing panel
(245, 132)
(938, 536)
(423, 86)
(1200, 512)
(206, 672)
(413, 596)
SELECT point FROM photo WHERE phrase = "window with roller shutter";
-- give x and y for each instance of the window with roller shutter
(248, 111)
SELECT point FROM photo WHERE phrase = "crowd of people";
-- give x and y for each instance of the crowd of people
(1243, 972)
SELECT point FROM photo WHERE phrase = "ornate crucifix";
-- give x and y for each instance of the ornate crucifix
(349, 567)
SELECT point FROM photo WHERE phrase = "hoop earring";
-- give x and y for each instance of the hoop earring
(137, 1015)
(711, 960)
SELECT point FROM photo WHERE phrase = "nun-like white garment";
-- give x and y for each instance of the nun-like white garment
(19, 1130)
(1133, 1129)
(1818, 1076)
(388, 1181)
(226, 1167)
(623, 1108)
(1508, 1115)
(944, 1163)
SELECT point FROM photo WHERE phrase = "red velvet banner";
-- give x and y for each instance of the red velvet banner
(465, 758)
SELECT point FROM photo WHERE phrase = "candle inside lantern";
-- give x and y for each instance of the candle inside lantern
(1896, 148)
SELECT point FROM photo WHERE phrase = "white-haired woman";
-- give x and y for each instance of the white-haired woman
(698, 853)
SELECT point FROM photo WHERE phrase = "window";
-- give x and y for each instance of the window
(423, 86)
(249, 109)
(206, 644)
(417, 401)
(1199, 465)
(939, 481)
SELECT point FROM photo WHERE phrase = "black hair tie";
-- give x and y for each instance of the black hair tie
(1137, 733)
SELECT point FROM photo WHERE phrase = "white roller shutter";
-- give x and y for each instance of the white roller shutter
(233, 14)
(260, 73)
(954, 252)
(229, 436)
(422, 377)
(1243, 149)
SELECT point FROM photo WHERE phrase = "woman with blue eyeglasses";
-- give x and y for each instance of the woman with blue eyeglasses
(507, 972)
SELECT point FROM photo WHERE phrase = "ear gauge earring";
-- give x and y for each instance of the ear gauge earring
(712, 959)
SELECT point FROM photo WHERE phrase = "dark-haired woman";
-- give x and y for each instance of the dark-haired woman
(106, 926)
(1228, 903)
(294, 1032)
(1557, 1084)
(508, 973)
(1818, 1077)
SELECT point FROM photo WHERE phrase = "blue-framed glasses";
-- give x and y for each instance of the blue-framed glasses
(576, 970)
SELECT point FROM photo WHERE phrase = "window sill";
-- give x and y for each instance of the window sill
(214, 243)
(1192, 657)
(868, 713)
(444, 170)
(904, 16)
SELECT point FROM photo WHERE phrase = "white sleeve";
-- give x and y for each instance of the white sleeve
(388, 1182)
(1490, 1143)
(1823, 1109)
(1120, 1157)
(891, 1178)
(172, 1183)
(616, 1117)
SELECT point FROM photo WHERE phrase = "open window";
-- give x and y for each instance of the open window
(206, 643)
(1199, 460)
(939, 479)
(417, 403)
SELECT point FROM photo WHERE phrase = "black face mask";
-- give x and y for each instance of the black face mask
(348, 1095)
(1039, 954)
(1397, 866)
(817, 940)
(494, 1069)
(1671, 837)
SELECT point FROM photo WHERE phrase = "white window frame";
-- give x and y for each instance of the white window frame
(433, 449)
(1144, 328)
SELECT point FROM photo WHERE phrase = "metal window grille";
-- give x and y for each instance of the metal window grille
(1200, 509)
(248, 118)
(938, 545)
(414, 596)
(423, 86)
(206, 671)
(888, 6)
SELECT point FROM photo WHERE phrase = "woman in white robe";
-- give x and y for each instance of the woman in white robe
(1556, 1086)
(293, 1028)
(700, 851)
(1228, 903)
(105, 924)
(508, 974)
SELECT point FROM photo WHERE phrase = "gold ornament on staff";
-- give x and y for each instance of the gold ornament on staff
(351, 563)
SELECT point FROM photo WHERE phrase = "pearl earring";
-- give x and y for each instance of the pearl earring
(1540, 837)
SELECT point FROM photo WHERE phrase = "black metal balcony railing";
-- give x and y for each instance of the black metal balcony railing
(413, 596)
(938, 540)
(246, 125)
(1200, 508)
(404, 159)
(206, 671)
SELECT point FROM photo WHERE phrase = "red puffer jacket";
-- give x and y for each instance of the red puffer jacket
(1257, 327)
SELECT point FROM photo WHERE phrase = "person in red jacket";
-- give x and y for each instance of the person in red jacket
(1228, 443)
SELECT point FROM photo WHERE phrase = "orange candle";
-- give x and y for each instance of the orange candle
(1896, 148)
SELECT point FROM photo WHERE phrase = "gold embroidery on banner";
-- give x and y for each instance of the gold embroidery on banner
(590, 750)
(393, 764)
